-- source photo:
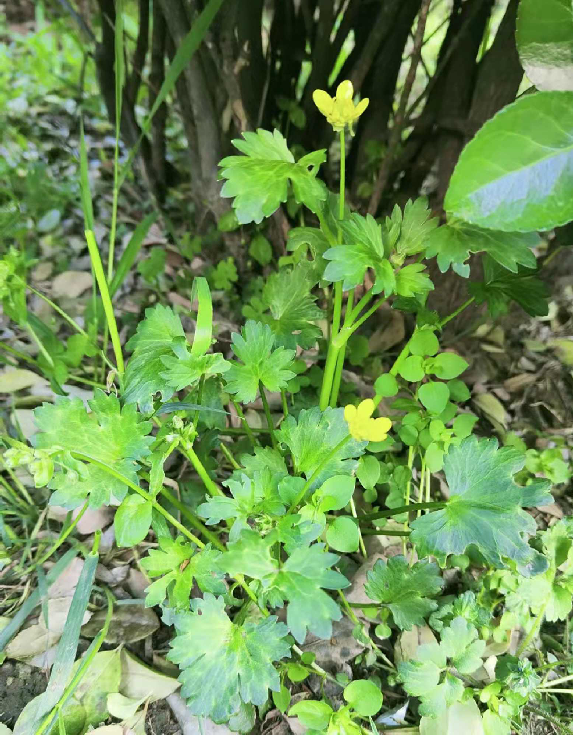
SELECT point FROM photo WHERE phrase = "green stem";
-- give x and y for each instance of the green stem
(192, 518)
(187, 450)
(554, 682)
(71, 322)
(284, 403)
(454, 314)
(199, 399)
(360, 305)
(555, 664)
(227, 453)
(366, 518)
(534, 628)
(16, 353)
(360, 539)
(317, 472)
(41, 347)
(126, 481)
(268, 415)
(248, 429)
(342, 174)
(329, 370)
(383, 532)
(408, 489)
(106, 300)
(19, 484)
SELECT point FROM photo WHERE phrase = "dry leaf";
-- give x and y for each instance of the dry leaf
(58, 609)
(31, 642)
(493, 410)
(18, 379)
(139, 681)
(71, 284)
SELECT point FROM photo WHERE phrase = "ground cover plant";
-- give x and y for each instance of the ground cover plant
(254, 561)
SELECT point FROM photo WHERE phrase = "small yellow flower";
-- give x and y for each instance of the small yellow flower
(361, 424)
(341, 110)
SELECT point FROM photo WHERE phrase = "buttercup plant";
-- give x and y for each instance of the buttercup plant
(266, 541)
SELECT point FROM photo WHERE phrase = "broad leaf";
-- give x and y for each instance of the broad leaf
(293, 311)
(362, 248)
(109, 434)
(405, 590)
(314, 436)
(252, 498)
(453, 243)
(465, 606)
(259, 180)
(424, 677)
(484, 507)
(499, 288)
(224, 664)
(152, 341)
(544, 36)
(182, 369)
(412, 228)
(517, 173)
(178, 565)
(260, 362)
(301, 581)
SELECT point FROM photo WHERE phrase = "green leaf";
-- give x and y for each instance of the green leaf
(152, 341)
(544, 36)
(179, 566)
(342, 534)
(368, 472)
(282, 699)
(293, 311)
(434, 396)
(412, 369)
(224, 274)
(363, 248)
(411, 281)
(130, 253)
(422, 677)
(464, 606)
(224, 664)
(261, 250)
(301, 580)
(184, 369)
(117, 437)
(252, 498)
(154, 265)
(516, 174)
(453, 243)
(416, 224)
(446, 365)
(259, 180)
(314, 715)
(386, 386)
(499, 288)
(314, 436)
(484, 508)
(423, 342)
(405, 590)
(335, 493)
(132, 520)
(364, 697)
(261, 362)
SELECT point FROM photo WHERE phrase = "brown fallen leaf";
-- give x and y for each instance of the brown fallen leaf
(130, 623)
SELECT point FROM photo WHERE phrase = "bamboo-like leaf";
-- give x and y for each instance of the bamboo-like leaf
(130, 252)
(204, 328)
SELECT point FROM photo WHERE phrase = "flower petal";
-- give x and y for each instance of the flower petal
(365, 409)
(345, 90)
(361, 106)
(350, 413)
(323, 101)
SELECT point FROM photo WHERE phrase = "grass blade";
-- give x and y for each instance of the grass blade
(106, 300)
(204, 328)
(85, 193)
(130, 252)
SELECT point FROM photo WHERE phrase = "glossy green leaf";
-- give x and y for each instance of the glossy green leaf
(224, 664)
(342, 535)
(132, 520)
(446, 365)
(204, 323)
(484, 507)
(423, 342)
(312, 714)
(517, 173)
(544, 36)
(364, 697)
(434, 396)
(182, 368)
(405, 590)
(412, 369)
(386, 386)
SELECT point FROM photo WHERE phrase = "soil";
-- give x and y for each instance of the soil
(19, 684)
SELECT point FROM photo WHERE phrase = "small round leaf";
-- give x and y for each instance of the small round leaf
(364, 697)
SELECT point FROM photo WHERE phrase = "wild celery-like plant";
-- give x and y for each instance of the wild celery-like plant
(261, 545)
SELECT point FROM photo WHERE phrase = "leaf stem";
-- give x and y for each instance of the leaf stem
(383, 532)
(248, 429)
(268, 414)
(317, 472)
(454, 314)
(192, 518)
(434, 504)
(187, 450)
(534, 628)
(223, 447)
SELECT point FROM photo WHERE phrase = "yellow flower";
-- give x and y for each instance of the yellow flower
(361, 424)
(341, 110)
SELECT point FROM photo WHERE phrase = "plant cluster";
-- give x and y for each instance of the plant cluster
(246, 575)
